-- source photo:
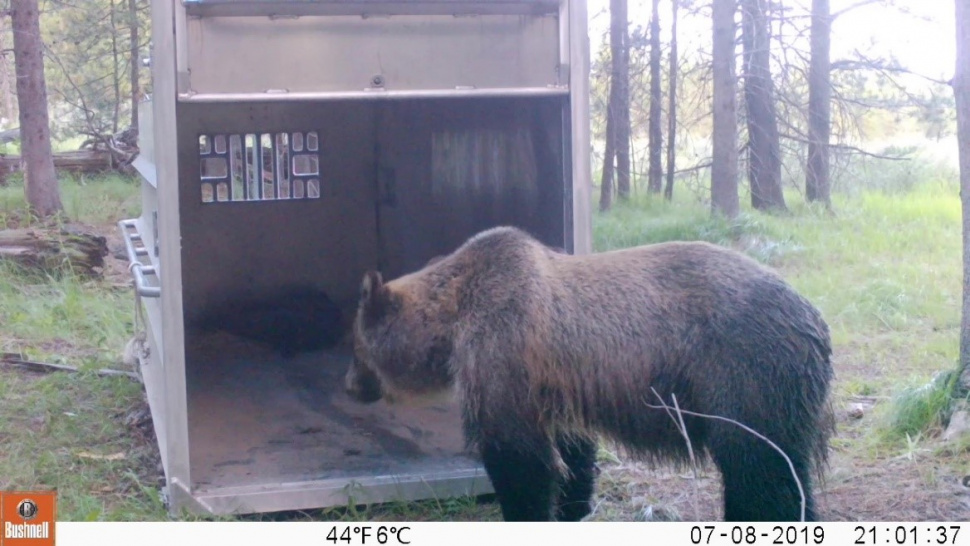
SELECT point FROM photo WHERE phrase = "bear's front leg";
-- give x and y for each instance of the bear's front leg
(577, 486)
(524, 479)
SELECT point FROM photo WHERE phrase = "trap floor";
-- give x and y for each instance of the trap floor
(257, 419)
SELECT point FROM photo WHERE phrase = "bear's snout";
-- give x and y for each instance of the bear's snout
(362, 384)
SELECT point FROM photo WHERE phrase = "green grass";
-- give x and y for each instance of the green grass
(884, 269)
(48, 420)
(920, 408)
(53, 430)
(63, 318)
(96, 200)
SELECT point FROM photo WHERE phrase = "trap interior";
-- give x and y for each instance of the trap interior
(260, 420)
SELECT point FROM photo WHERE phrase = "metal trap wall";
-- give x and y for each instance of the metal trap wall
(270, 187)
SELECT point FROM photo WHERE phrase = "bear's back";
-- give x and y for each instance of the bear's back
(669, 275)
(656, 301)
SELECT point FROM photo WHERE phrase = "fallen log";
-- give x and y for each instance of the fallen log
(80, 161)
(10, 135)
(51, 250)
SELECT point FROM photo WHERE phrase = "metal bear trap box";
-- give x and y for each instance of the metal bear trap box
(287, 147)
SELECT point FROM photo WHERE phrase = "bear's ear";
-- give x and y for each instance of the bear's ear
(375, 299)
(370, 286)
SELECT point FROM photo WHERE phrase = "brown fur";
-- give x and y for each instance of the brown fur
(545, 346)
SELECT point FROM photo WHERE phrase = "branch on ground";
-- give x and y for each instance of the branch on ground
(17, 361)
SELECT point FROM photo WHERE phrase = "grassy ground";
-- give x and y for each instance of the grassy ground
(884, 270)
(74, 431)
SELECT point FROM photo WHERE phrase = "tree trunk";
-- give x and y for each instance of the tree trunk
(5, 76)
(819, 106)
(672, 105)
(40, 180)
(135, 63)
(764, 146)
(620, 94)
(609, 153)
(961, 92)
(724, 168)
(115, 69)
(655, 180)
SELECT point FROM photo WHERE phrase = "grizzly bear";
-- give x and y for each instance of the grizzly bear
(549, 352)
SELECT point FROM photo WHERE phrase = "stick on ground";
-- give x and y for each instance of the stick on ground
(798, 482)
(14, 360)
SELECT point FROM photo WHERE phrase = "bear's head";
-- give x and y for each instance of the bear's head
(402, 341)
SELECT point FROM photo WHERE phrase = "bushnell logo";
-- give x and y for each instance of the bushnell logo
(27, 518)
(27, 509)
